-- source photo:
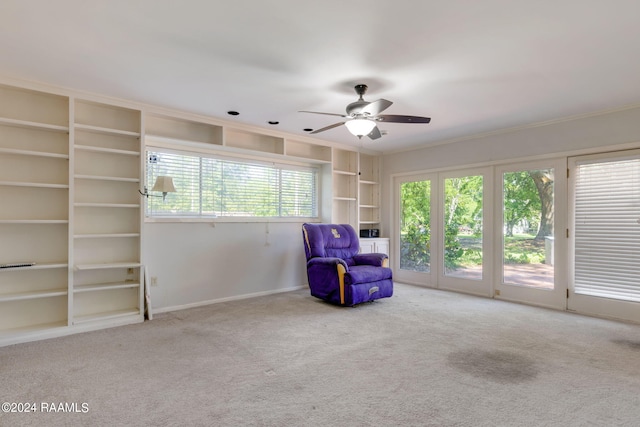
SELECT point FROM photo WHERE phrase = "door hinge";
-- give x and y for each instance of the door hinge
(567, 172)
(567, 233)
(567, 293)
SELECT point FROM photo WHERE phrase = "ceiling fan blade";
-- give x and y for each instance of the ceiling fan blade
(335, 125)
(326, 114)
(393, 118)
(376, 107)
(375, 133)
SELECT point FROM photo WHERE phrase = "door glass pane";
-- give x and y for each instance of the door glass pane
(463, 227)
(607, 229)
(415, 227)
(528, 215)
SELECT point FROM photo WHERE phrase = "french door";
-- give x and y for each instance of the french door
(531, 238)
(466, 221)
(415, 229)
(605, 235)
(441, 229)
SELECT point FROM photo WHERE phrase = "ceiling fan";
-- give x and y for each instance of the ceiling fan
(362, 116)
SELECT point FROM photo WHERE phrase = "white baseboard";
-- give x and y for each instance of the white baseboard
(233, 298)
(62, 331)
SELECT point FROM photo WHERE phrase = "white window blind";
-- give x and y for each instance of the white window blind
(607, 229)
(208, 186)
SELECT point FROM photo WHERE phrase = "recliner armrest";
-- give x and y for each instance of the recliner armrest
(328, 261)
(376, 260)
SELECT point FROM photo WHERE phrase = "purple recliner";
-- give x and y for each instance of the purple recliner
(337, 273)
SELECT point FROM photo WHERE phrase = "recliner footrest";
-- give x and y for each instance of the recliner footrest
(366, 292)
(366, 274)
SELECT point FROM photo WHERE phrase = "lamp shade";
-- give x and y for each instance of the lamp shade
(164, 184)
(360, 127)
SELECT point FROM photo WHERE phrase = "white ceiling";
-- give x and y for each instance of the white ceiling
(472, 66)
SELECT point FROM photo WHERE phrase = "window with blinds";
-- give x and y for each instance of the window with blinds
(607, 229)
(208, 186)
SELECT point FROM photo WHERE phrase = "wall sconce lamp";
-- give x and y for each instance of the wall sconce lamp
(163, 184)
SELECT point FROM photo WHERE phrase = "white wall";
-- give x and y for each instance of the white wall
(586, 134)
(198, 263)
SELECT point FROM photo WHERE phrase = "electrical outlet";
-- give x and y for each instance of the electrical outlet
(154, 281)
(497, 293)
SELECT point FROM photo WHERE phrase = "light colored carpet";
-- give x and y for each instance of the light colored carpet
(421, 358)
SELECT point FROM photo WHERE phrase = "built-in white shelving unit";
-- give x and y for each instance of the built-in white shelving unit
(34, 219)
(164, 130)
(369, 191)
(307, 151)
(107, 213)
(356, 195)
(236, 138)
(369, 203)
(345, 187)
(356, 189)
(70, 170)
(182, 131)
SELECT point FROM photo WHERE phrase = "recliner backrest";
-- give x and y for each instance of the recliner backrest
(330, 240)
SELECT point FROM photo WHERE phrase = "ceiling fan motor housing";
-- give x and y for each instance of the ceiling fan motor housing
(355, 108)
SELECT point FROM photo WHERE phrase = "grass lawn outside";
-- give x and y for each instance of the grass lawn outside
(518, 249)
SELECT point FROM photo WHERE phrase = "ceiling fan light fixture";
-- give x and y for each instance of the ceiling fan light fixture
(362, 117)
(360, 127)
